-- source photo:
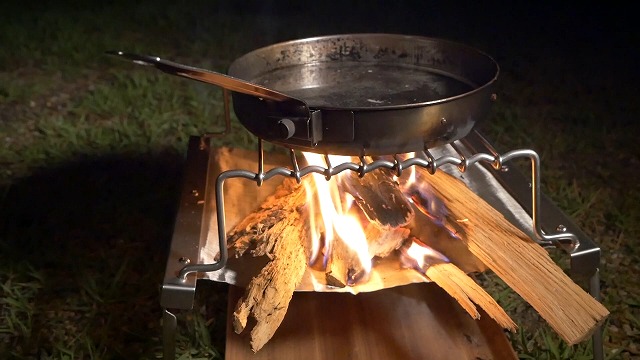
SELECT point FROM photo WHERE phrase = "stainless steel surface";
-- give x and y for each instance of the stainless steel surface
(368, 71)
(169, 328)
(354, 94)
(209, 77)
(368, 93)
(177, 292)
(461, 160)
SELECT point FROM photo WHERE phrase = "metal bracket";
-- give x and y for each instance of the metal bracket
(178, 293)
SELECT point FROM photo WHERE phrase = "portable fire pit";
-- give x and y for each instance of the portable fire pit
(390, 105)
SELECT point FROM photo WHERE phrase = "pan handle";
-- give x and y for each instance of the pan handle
(215, 78)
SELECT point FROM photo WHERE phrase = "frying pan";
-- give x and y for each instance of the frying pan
(357, 94)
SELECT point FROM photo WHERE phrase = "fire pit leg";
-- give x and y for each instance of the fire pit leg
(169, 327)
(594, 290)
(178, 294)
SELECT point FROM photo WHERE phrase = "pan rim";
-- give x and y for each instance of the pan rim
(495, 71)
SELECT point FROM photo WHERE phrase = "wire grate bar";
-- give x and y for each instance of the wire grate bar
(423, 159)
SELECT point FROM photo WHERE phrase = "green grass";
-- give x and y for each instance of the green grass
(92, 150)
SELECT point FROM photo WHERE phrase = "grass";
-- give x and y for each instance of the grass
(93, 148)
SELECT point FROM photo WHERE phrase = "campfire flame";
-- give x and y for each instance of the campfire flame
(349, 227)
(425, 200)
(337, 223)
(419, 256)
(336, 219)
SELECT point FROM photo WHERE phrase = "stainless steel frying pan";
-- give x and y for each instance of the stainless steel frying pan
(359, 93)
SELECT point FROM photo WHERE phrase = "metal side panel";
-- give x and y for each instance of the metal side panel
(187, 233)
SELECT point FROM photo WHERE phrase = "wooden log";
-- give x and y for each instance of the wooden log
(433, 208)
(466, 291)
(438, 268)
(383, 242)
(385, 209)
(343, 266)
(521, 263)
(267, 296)
(261, 229)
(379, 197)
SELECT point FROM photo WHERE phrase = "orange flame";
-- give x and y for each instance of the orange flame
(420, 256)
(424, 199)
(336, 224)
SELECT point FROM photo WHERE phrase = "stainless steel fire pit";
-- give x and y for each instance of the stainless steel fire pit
(201, 202)
(306, 105)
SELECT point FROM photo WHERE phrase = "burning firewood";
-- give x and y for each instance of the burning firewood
(343, 266)
(279, 229)
(455, 282)
(385, 210)
(379, 197)
(383, 242)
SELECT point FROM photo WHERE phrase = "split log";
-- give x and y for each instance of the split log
(379, 197)
(384, 242)
(438, 268)
(386, 209)
(259, 231)
(467, 292)
(281, 238)
(521, 263)
(343, 266)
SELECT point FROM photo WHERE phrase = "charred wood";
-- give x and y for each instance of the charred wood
(379, 197)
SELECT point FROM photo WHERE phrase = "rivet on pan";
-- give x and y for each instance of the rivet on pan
(184, 260)
(493, 97)
(561, 228)
(504, 168)
(195, 192)
(443, 121)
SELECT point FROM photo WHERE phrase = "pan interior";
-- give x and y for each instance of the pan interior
(363, 85)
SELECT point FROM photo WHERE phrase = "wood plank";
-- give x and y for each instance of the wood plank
(418, 321)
